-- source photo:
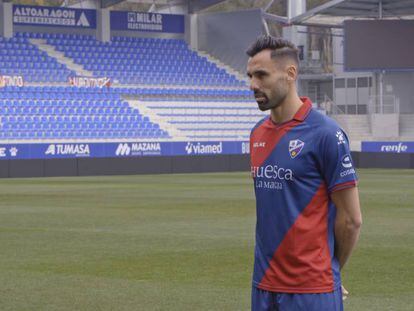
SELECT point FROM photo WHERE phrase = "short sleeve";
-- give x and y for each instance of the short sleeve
(336, 162)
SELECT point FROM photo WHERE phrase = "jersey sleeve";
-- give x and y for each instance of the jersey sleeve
(337, 167)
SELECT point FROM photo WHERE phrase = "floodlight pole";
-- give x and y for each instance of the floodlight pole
(381, 74)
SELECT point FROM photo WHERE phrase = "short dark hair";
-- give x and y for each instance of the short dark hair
(279, 46)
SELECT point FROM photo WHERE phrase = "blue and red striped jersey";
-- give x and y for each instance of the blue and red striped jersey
(295, 167)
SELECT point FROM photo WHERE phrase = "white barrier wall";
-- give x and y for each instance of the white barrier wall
(385, 125)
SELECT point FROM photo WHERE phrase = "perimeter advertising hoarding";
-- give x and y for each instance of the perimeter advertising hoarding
(28, 15)
(153, 22)
(120, 149)
(388, 146)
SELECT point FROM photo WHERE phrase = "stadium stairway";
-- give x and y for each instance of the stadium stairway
(60, 57)
(143, 61)
(19, 57)
(407, 127)
(204, 120)
(135, 62)
(223, 66)
(219, 114)
(358, 128)
(173, 131)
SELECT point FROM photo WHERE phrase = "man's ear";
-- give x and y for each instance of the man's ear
(292, 73)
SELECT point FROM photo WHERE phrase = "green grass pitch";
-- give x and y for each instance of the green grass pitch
(177, 242)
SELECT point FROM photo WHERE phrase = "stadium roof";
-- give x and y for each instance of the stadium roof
(335, 12)
(194, 5)
(330, 14)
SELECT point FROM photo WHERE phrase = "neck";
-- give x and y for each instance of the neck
(287, 109)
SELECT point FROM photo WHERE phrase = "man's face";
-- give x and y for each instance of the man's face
(268, 80)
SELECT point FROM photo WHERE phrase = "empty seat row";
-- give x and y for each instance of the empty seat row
(65, 110)
(83, 134)
(75, 119)
(79, 125)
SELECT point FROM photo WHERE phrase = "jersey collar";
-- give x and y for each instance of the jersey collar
(304, 110)
(299, 116)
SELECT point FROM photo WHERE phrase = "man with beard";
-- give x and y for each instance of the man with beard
(307, 202)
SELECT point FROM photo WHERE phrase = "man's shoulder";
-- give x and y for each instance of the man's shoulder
(326, 130)
(321, 123)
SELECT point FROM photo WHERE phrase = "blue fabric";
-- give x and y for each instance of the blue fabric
(268, 301)
(312, 153)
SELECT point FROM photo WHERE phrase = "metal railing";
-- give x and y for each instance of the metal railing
(383, 105)
(329, 106)
(389, 104)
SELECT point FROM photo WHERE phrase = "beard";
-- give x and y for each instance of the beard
(265, 103)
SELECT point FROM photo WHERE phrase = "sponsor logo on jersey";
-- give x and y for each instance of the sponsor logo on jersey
(346, 161)
(136, 149)
(347, 172)
(295, 147)
(68, 149)
(272, 172)
(203, 148)
(259, 144)
(271, 176)
(341, 137)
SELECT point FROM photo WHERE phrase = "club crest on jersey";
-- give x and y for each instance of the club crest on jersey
(295, 147)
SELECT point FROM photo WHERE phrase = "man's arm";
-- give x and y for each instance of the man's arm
(348, 222)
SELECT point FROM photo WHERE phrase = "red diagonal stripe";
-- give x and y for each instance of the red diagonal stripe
(270, 135)
(302, 262)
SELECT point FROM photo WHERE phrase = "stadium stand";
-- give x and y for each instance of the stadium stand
(131, 60)
(62, 112)
(19, 57)
(164, 91)
(32, 113)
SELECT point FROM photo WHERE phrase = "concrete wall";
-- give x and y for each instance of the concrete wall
(6, 20)
(169, 165)
(383, 160)
(191, 30)
(352, 92)
(385, 125)
(122, 166)
(227, 35)
(103, 31)
(401, 85)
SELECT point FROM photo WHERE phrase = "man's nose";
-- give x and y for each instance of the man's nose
(253, 85)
